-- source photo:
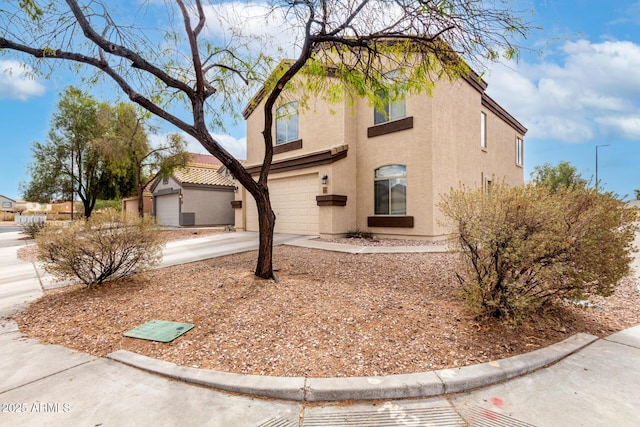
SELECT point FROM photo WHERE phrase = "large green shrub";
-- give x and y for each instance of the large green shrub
(523, 247)
(107, 246)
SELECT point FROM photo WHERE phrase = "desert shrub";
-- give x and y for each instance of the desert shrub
(359, 234)
(33, 228)
(524, 247)
(105, 247)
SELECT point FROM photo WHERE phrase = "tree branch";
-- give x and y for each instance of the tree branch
(137, 61)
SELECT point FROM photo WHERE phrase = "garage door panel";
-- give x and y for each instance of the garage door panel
(167, 210)
(294, 203)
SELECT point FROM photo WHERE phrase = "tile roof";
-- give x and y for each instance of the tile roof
(203, 159)
(201, 174)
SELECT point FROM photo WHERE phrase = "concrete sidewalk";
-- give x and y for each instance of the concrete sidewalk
(595, 382)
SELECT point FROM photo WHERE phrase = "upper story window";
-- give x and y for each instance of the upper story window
(287, 123)
(393, 107)
(519, 151)
(390, 188)
(483, 130)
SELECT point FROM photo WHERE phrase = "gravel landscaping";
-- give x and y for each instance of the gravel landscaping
(331, 314)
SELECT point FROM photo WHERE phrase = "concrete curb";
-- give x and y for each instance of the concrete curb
(289, 388)
(425, 384)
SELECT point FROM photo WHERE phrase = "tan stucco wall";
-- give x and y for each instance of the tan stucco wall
(441, 151)
(130, 205)
(320, 126)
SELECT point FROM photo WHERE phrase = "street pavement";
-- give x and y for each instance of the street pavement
(47, 385)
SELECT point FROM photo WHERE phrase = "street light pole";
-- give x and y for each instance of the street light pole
(597, 146)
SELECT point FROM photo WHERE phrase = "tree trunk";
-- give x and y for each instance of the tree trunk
(140, 202)
(267, 222)
(88, 209)
(140, 189)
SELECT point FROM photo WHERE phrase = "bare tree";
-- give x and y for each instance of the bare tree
(353, 41)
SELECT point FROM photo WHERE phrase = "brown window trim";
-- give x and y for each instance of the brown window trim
(331, 200)
(314, 159)
(390, 221)
(390, 127)
(236, 204)
(287, 146)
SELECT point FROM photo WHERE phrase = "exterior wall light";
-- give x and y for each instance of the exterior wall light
(325, 178)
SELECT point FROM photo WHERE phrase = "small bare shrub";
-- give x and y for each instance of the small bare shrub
(33, 228)
(359, 234)
(525, 246)
(105, 247)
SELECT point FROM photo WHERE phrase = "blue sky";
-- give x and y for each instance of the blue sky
(577, 88)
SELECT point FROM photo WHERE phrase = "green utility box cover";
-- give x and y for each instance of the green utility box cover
(159, 330)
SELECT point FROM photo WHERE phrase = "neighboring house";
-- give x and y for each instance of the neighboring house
(35, 207)
(338, 168)
(196, 195)
(64, 207)
(130, 204)
(7, 204)
(634, 204)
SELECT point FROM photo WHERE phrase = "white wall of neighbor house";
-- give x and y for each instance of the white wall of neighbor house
(168, 183)
(211, 207)
(168, 210)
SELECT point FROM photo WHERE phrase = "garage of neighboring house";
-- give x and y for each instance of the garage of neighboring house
(197, 195)
(168, 209)
(293, 200)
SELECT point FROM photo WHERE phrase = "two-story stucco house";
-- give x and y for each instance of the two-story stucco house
(343, 167)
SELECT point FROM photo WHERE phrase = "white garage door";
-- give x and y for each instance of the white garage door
(294, 203)
(167, 210)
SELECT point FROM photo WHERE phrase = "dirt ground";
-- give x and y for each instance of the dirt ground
(330, 315)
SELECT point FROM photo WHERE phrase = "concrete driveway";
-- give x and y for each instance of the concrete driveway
(198, 249)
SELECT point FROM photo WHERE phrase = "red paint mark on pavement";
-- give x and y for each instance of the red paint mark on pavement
(496, 401)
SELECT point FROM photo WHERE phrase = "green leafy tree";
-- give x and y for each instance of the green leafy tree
(71, 160)
(637, 191)
(564, 174)
(525, 247)
(354, 41)
(128, 149)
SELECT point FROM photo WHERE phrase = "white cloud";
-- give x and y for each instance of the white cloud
(593, 92)
(17, 81)
(262, 27)
(628, 127)
(237, 147)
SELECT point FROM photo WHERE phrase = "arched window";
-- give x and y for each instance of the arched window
(393, 104)
(287, 123)
(390, 188)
